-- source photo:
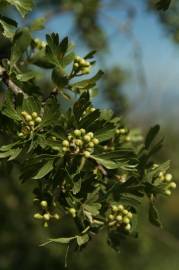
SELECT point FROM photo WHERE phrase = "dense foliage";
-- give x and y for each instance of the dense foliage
(84, 161)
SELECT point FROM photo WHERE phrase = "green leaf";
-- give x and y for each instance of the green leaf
(59, 77)
(89, 119)
(46, 168)
(163, 4)
(63, 47)
(51, 113)
(24, 77)
(15, 153)
(105, 133)
(109, 164)
(154, 216)
(76, 186)
(61, 240)
(23, 6)
(8, 25)
(151, 135)
(21, 41)
(93, 208)
(81, 105)
(82, 239)
(9, 110)
(37, 24)
(89, 83)
(68, 59)
(55, 51)
(11, 153)
(31, 104)
(90, 55)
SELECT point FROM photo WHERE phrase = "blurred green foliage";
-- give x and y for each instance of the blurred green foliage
(20, 235)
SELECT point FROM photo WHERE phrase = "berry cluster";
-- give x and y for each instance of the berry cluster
(121, 131)
(81, 65)
(119, 217)
(166, 178)
(80, 142)
(30, 121)
(124, 132)
(45, 214)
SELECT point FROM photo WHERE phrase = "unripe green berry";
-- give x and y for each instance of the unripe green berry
(128, 138)
(76, 65)
(38, 120)
(46, 216)
(85, 70)
(77, 58)
(34, 115)
(95, 141)
(56, 216)
(125, 212)
(28, 117)
(119, 218)
(168, 177)
(168, 192)
(87, 138)
(24, 113)
(129, 215)
(122, 131)
(86, 154)
(111, 217)
(65, 149)
(92, 109)
(38, 216)
(86, 63)
(44, 204)
(120, 207)
(31, 123)
(79, 142)
(72, 211)
(82, 61)
(126, 220)
(77, 132)
(128, 227)
(70, 137)
(83, 131)
(91, 144)
(45, 224)
(91, 134)
(54, 138)
(21, 134)
(161, 176)
(65, 143)
(172, 185)
(114, 208)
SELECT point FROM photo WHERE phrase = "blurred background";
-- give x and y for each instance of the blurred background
(138, 48)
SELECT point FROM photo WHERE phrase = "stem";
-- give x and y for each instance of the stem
(9, 83)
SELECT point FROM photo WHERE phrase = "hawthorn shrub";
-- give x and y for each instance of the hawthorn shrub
(84, 161)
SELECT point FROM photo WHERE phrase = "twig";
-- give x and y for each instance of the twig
(9, 83)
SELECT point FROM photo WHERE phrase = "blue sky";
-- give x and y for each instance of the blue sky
(160, 58)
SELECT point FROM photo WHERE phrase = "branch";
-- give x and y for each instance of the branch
(9, 83)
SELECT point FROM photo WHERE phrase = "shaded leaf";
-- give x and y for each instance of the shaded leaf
(47, 167)
(154, 216)
(151, 135)
(21, 41)
(82, 239)
(23, 6)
